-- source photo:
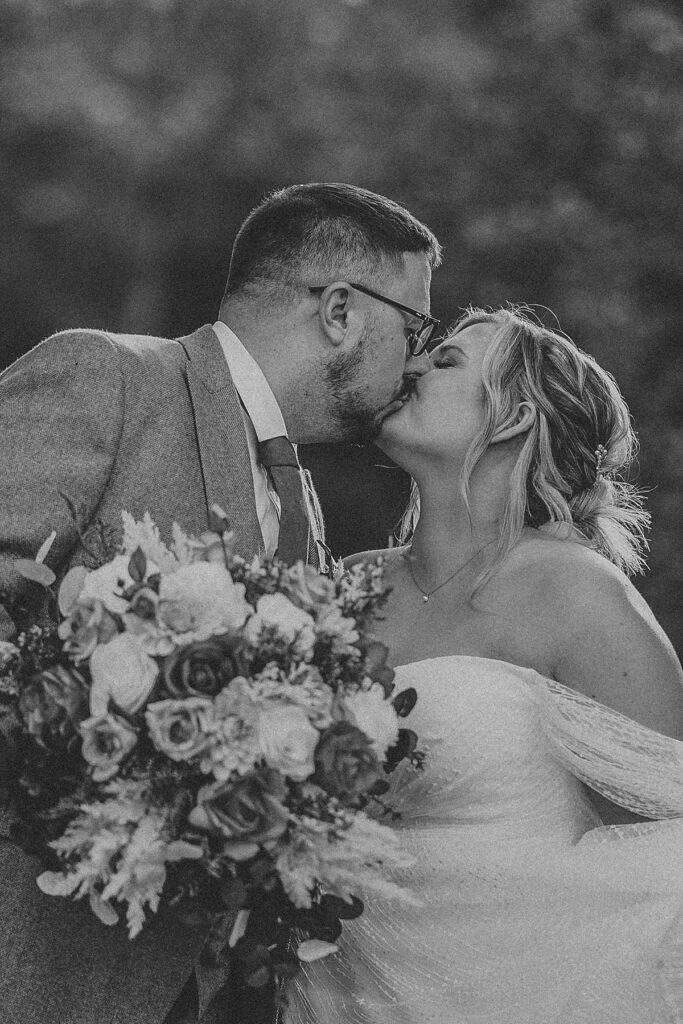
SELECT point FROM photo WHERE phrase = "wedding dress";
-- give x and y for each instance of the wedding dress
(528, 910)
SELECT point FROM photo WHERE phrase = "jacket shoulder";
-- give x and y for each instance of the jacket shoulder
(107, 352)
(141, 346)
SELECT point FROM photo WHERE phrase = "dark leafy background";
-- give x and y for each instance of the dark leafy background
(541, 139)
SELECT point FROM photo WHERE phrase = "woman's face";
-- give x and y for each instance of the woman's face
(446, 411)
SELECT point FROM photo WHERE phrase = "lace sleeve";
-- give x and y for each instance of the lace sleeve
(631, 765)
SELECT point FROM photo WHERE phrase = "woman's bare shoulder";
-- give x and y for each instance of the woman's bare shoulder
(562, 565)
(564, 585)
(600, 635)
(390, 555)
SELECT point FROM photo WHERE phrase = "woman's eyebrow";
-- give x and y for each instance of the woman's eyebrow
(467, 321)
(449, 346)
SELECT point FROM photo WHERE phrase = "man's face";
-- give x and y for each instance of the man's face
(371, 382)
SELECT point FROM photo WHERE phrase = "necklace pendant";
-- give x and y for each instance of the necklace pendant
(425, 598)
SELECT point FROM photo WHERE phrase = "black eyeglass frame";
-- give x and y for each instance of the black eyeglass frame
(417, 342)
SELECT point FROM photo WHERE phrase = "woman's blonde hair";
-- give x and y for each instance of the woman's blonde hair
(559, 477)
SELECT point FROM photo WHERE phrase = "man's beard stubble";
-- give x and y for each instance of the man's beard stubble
(356, 422)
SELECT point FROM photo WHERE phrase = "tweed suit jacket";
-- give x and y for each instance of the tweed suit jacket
(114, 422)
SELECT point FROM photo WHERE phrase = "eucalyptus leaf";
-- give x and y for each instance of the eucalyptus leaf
(315, 949)
(45, 547)
(35, 571)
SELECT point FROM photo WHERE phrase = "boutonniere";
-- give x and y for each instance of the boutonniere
(331, 567)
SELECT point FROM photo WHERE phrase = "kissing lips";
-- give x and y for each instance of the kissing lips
(406, 392)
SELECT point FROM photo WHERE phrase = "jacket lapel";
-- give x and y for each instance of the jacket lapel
(223, 451)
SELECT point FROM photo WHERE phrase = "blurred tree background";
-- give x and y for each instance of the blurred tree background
(540, 139)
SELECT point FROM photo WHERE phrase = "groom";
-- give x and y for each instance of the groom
(319, 334)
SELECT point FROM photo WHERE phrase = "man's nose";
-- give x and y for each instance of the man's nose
(417, 366)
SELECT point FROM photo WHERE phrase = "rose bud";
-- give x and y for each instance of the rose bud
(213, 547)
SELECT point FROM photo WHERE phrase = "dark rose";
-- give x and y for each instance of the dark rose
(202, 669)
(247, 812)
(346, 763)
(54, 702)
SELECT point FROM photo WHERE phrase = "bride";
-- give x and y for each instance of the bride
(547, 826)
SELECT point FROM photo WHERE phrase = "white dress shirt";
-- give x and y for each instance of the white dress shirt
(262, 420)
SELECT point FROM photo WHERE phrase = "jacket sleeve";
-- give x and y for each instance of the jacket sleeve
(62, 407)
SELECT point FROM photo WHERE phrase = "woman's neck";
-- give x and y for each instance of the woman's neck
(450, 531)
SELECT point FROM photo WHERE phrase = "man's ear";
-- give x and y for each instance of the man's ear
(518, 422)
(335, 304)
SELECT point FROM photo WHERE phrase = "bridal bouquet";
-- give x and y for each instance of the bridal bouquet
(212, 734)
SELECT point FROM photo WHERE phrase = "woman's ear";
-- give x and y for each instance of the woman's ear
(518, 422)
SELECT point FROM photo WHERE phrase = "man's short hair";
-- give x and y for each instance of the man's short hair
(324, 229)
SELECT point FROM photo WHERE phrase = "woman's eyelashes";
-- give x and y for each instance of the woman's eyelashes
(445, 357)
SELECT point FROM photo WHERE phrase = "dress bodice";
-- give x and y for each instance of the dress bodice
(527, 910)
(489, 761)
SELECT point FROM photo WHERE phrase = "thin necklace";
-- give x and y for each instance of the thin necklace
(426, 594)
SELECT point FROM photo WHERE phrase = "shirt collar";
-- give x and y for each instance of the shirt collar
(252, 387)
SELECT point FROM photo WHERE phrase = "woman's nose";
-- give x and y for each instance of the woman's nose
(417, 366)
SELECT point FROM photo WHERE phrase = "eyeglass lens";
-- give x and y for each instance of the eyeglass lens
(418, 339)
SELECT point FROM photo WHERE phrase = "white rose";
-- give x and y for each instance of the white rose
(277, 612)
(375, 716)
(201, 600)
(288, 740)
(122, 672)
(106, 583)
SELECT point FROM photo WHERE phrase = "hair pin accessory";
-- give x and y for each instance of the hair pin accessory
(600, 456)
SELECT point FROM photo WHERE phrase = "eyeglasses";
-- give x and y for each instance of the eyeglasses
(417, 339)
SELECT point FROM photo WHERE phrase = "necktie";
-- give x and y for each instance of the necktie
(279, 458)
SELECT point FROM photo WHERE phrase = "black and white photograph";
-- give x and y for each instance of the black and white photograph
(341, 500)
